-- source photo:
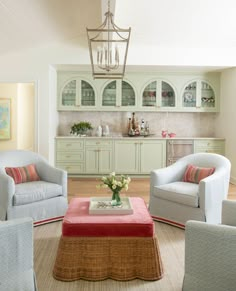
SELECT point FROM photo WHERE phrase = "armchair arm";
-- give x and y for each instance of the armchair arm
(52, 174)
(229, 212)
(169, 174)
(7, 190)
(212, 191)
(209, 263)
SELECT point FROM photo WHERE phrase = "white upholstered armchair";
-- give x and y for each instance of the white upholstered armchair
(210, 253)
(44, 200)
(174, 201)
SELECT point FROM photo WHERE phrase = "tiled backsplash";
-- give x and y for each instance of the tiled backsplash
(183, 124)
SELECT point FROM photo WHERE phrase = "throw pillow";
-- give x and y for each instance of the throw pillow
(23, 174)
(194, 174)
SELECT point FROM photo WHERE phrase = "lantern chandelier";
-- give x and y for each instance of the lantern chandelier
(108, 48)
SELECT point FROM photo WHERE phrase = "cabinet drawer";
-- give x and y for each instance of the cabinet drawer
(209, 143)
(72, 168)
(96, 143)
(210, 146)
(74, 145)
(70, 156)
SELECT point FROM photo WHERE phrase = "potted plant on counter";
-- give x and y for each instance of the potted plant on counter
(81, 129)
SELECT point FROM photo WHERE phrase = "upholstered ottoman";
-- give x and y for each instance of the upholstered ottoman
(96, 247)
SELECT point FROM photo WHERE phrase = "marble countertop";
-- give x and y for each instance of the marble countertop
(152, 136)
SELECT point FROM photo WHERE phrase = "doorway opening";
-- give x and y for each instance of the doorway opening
(23, 126)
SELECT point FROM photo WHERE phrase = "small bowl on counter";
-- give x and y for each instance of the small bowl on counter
(172, 134)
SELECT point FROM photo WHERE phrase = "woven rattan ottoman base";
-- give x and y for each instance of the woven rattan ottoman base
(99, 258)
(97, 247)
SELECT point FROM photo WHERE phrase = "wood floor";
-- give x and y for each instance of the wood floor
(139, 187)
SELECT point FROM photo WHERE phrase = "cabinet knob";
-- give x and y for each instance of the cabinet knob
(98, 142)
(68, 144)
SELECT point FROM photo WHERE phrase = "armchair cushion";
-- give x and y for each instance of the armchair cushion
(195, 174)
(23, 174)
(35, 191)
(179, 192)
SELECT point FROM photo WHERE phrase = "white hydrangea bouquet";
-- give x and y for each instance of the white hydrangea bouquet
(116, 184)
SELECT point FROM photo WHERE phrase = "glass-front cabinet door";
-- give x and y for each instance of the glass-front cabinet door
(77, 94)
(118, 94)
(127, 95)
(199, 96)
(159, 94)
(190, 95)
(149, 96)
(68, 94)
(207, 96)
(168, 98)
(87, 94)
(109, 95)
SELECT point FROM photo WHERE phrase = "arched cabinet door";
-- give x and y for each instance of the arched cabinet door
(68, 94)
(118, 94)
(168, 96)
(149, 95)
(199, 95)
(87, 94)
(189, 97)
(109, 95)
(208, 99)
(77, 94)
(158, 94)
(128, 96)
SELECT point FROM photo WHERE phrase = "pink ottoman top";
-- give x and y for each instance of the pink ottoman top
(78, 221)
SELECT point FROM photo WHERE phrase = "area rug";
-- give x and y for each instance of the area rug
(171, 242)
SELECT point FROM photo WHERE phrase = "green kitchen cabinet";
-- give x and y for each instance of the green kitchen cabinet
(98, 156)
(216, 146)
(76, 93)
(159, 95)
(139, 156)
(199, 95)
(70, 155)
(118, 95)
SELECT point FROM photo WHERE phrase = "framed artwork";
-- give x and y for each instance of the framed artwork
(5, 118)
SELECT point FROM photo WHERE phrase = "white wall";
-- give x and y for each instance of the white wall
(35, 66)
(225, 122)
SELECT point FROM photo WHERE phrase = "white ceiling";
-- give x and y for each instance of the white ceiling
(162, 23)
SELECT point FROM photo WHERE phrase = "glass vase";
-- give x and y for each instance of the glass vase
(116, 198)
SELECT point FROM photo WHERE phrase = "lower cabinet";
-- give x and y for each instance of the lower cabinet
(98, 156)
(126, 156)
(216, 146)
(131, 156)
(70, 155)
(139, 156)
(152, 155)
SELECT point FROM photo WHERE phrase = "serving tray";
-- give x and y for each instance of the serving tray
(102, 205)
